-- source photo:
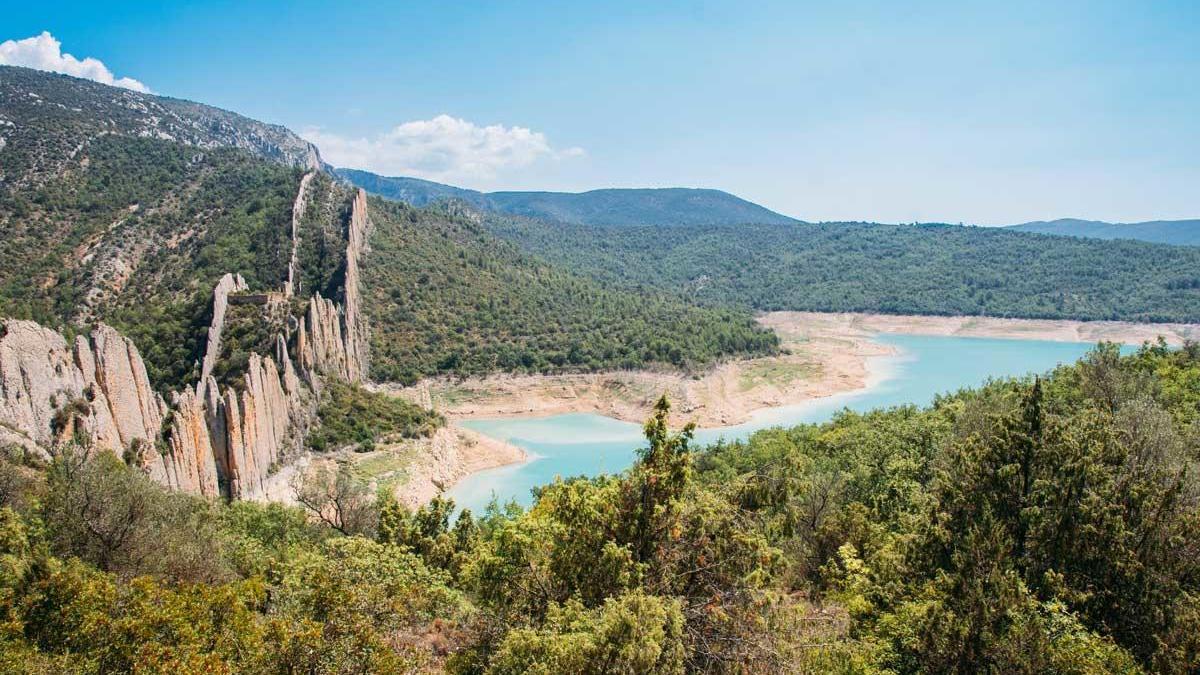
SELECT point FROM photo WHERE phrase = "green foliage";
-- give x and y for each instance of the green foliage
(893, 269)
(445, 296)
(1039, 525)
(631, 633)
(1029, 526)
(353, 416)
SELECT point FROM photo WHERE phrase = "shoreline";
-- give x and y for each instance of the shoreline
(1055, 330)
(825, 354)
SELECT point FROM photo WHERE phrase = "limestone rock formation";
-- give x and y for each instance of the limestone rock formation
(208, 441)
(229, 283)
(301, 203)
(98, 388)
(332, 338)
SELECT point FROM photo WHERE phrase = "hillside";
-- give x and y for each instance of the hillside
(128, 208)
(1178, 232)
(662, 206)
(47, 119)
(896, 269)
(445, 296)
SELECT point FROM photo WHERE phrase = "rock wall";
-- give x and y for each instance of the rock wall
(298, 209)
(208, 441)
(230, 283)
(97, 388)
(332, 338)
(354, 327)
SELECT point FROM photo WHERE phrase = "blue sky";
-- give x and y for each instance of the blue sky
(957, 111)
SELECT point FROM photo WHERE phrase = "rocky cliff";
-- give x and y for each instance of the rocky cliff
(96, 390)
(332, 337)
(210, 440)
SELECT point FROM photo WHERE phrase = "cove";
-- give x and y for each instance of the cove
(588, 444)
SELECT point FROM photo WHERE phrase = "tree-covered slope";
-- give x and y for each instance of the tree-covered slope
(446, 296)
(128, 208)
(1178, 232)
(925, 269)
(660, 206)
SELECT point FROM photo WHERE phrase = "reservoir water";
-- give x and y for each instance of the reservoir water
(589, 444)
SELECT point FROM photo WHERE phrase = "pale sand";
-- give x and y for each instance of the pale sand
(826, 354)
(415, 470)
(820, 361)
(974, 326)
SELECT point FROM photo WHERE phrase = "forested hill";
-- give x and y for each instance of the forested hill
(899, 269)
(662, 206)
(1179, 232)
(446, 296)
(127, 208)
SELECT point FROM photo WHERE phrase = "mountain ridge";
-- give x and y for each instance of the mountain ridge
(602, 206)
(1177, 232)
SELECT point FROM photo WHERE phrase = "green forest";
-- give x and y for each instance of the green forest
(1038, 525)
(893, 269)
(445, 296)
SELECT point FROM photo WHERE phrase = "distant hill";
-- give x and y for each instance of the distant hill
(894, 269)
(645, 206)
(1178, 232)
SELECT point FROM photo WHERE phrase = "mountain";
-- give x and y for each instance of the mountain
(412, 191)
(1178, 232)
(194, 292)
(895, 269)
(45, 116)
(644, 206)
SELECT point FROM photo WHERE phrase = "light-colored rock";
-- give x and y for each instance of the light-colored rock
(230, 283)
(102, 381)
(190, 465)
(298, 208)
(354, 328)
(332, 338)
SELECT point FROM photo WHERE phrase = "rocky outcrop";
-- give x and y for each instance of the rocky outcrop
(191, 464)
(97, 388)
(332, 338)
(230, 283)
(298, 207)
(355, 330)
(209, 441)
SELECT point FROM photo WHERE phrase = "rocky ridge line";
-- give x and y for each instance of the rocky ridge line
(206, 441)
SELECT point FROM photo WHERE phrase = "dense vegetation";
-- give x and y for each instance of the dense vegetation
(895, 269)
(137, 235)
(352, 416)
(445, 296)
(1029, 526)
(659, 206)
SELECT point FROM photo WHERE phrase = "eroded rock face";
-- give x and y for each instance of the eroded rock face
(332, 338)
(208, 442)
(98, 388)
(298, 207)
(230, 283)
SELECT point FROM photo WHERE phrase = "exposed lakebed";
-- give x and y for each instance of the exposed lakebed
(588, 444)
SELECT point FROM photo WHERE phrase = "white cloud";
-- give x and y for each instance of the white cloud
(444, 148)
(44, 52)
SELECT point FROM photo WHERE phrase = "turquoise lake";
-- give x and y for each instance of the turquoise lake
(588, 444)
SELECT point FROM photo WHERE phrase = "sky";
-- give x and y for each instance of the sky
(957, 111)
